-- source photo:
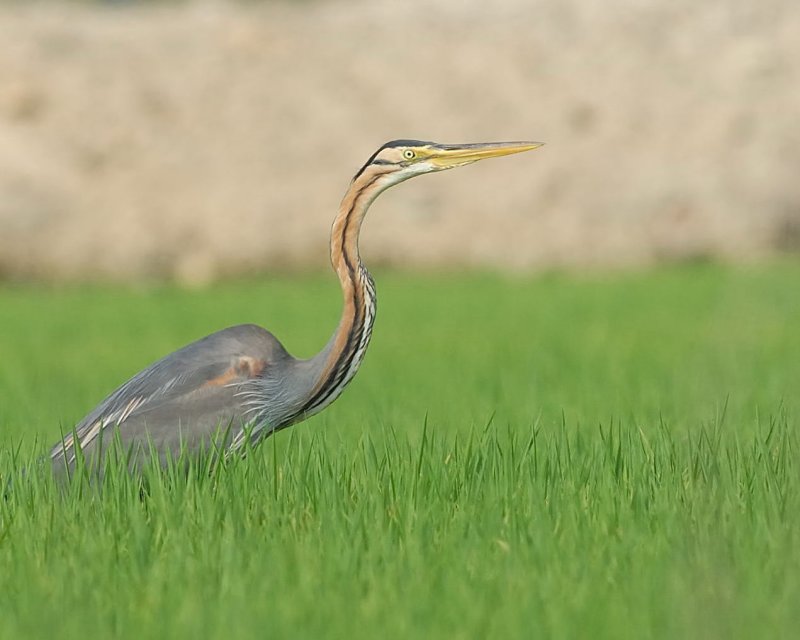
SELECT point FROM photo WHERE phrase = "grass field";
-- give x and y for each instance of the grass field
(605, 456)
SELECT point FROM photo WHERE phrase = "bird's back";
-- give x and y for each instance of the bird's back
(183, 401)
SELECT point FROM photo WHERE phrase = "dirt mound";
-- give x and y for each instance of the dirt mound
(205, 139)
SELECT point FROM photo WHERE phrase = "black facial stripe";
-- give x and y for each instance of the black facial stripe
(390, 145)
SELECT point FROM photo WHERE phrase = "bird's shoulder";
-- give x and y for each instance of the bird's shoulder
(244, 350)
(241, 340)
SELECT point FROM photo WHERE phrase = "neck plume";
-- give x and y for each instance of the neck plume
(338, 362)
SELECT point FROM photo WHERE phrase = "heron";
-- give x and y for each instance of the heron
(231, 389)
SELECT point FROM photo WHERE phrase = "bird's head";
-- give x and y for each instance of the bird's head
(403, 159)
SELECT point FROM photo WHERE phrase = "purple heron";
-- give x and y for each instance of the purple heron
(233, 388)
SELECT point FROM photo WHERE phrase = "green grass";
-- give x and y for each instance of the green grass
(606, 456)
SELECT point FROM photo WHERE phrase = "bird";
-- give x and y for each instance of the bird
(227, 391)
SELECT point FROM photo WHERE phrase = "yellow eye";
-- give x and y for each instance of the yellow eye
(408, 154)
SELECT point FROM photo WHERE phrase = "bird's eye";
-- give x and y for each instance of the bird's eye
(408, 154)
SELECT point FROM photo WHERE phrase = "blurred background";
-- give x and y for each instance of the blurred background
(192, 141)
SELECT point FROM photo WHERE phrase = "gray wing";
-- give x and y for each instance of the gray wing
(182, 400)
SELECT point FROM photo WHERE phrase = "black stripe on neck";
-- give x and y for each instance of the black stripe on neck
(345, 359)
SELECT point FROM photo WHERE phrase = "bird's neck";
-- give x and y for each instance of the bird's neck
(338, 362)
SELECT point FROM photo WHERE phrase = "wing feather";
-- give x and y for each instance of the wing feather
(193, 382)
